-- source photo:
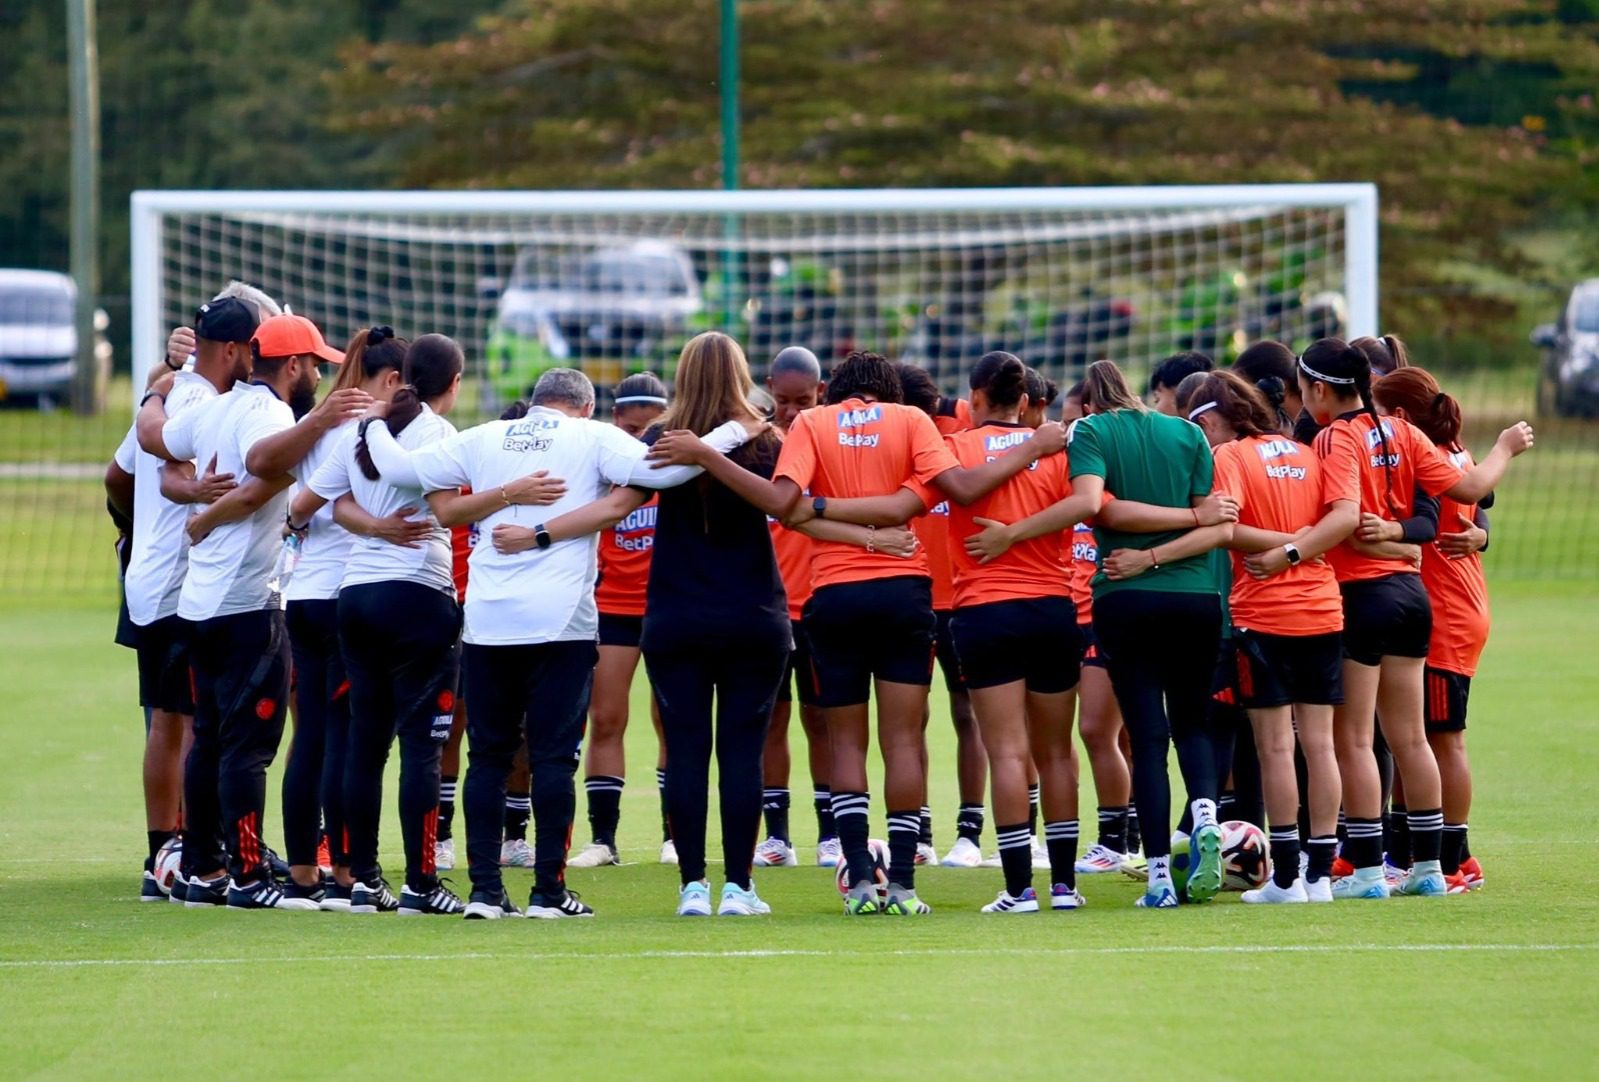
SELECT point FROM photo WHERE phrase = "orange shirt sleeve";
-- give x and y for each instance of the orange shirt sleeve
(1230, 473)
(930, 455)
(1434, 472)
(1340, 464)
(797, 460)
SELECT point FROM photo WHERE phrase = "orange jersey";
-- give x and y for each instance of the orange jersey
(856, 448)
(1032, 568)
(954, 415)
(462, 540)
(932, 529)
(1357, 465)
(1458, 591)
(795, 554)
(1082, 564)
(625, 562)
(1277, 483)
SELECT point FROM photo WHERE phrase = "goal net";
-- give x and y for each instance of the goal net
(615, 282)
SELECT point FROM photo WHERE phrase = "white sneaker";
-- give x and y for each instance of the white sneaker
(516, 853)
(694, 900)
(444, 855)
(1063, 897)
(775, 853)
(926, 855)
(1027, 903)
(1319, 890)
(669, 852)
(992, 862)
(1040, 854)
(738, 902)
(1272, 894)
(594, 855)
(963, 854)
(1099, 859)
(829, 853)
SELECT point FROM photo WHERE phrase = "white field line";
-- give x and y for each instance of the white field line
(918, 952)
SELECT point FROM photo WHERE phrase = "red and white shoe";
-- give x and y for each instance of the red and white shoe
(1470, 875)
(1342, 869)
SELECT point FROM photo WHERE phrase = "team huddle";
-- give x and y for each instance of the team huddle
(1275, 568)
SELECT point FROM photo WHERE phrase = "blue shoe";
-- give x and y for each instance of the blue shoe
(1158, 896)
(1425, 880)
(201, 893)
(1204, 853)
(694, 900)
(335, 899)
(483, 905)
(266, 894)
(373, 897)
(1370, 886)
(1063, 897)
(738, 902)
(180, 889)
(150, 890)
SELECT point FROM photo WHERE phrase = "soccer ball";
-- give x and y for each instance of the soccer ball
(1245, 856)
(1180, 863)
(167, 861)
(879, 851)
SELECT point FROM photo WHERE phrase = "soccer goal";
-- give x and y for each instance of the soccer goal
(615, 282)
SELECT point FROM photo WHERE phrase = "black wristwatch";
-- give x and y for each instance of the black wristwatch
(1293, 554)
(541, 536)
(819, 505)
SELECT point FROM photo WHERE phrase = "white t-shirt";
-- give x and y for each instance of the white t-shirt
(326, 549)
(231, 570)
(160, 545)
(541, 595)
(372, 559)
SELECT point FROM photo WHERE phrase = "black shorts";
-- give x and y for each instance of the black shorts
(1224, 689)
(883, 628)
(1387, 617)
(1447, 695)
(621, 630)
(164, 681)
(1278, 670)
(944, 649)
(801, 672)
(1092, 658)
(1033, 640)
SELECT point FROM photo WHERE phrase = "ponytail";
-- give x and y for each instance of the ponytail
(1275, 392)
(1345, 366)
(1426, 406)
(431, 367)
(1105, 388)
(1002, 377)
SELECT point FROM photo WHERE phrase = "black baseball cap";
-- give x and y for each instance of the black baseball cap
(226, 319)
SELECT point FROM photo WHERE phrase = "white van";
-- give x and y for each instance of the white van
(38, 336)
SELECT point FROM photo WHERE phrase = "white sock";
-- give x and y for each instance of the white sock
(1159, 870)
(1204, 813)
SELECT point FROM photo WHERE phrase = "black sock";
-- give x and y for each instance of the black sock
(1454, 841)
(1113, 828)
(1032, 809)
(1465, 843)
(969, 823)
(156, 839)
(1321, 851)
(447, 784)
(518, 810)
(1396, 836)
(1285, 854)
(904, 827)
(774, 804)
(1342, 832)
(1061, 838)
(605, 807)
(822, 796)
(924, 833)
(1015, 857)
(849, 814)
(1226, 806)
(1425, 830)
(666, 821)
(1364, 847)
(1135, 833)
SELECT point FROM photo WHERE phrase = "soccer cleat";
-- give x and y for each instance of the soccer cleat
(556, 906)
(738, 902)
(444, 855)
(1394, 874)
(965, 853)
(150, 890)
(926, 855)
(1370, 885)
(485, 906)
(313, 894)
(694, 900)
(1471, 873)
(594, 855)
(1272, 894)
(1027, 903)
(373, 897)
(516, 853)
(206, 892)
(1318, 890)
(265, 894)
(1135, 867)
(861, 900)
(1342, 869)
(180, 889)
(1424, 881)
(1040, 854)
(440, 901)
(828, 853)
(776, 853)
(335, 898)
(324, 857)
(1063, 897)
(1204, 881)
(1159, 896)
(904, 903)
(668, 852)
(1099, 859)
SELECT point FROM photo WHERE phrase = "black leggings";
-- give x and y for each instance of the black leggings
(1160, 649)
(744, 680)
(313, 776)
(399, 642)
(548, 685)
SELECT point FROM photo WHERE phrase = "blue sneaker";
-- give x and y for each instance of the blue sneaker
(1204, 854)
(1063, 897)
(738, 902)
(1425, 880)
(373, 897)
(335, 899)
(1361, 886)
(1159, 896)
(180, 889)
(694, 900)
(150, 890)
(483, 905)
(266, 894)
(201, 893)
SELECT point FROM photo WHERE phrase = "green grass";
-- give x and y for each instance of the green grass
(1495, 984)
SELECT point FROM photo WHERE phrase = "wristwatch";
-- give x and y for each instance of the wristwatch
(819, 505)
(541, 536)
(1293, 554)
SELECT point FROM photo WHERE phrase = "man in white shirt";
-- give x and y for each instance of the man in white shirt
(239, 650)
(531, 623)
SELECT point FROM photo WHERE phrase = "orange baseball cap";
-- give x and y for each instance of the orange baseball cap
(292, 336)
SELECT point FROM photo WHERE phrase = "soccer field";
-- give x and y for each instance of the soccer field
(1496, 983)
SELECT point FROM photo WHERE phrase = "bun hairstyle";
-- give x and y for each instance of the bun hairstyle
(864, 374)
(1041, 391)
(1105, 388)
(917, 388)
(1386, 354)
(431, 367)
(1266, 359)
(1275, 392)
(1426, 406)
(371, 351)
(1342, 368)
(1002, 377)
(1232, 397)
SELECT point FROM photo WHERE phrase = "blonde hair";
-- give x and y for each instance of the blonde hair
(1105, 388)
(713, 385)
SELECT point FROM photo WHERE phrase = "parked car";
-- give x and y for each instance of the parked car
(1568, 378)
(39, 335)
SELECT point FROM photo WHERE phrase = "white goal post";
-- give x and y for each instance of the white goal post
(615, 281)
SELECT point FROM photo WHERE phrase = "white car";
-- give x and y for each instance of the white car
(39, 336)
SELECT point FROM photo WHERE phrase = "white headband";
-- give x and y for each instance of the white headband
(626, 400)
(1197, 410)
(1313, 374)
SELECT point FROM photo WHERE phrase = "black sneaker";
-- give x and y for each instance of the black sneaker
(313, 894)
(440, 901)
(150, 890)
(373, 897)
(180, 889)
(203, 892)
(335, 899)
(556, 906)
(485, 906)
(265, 894)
